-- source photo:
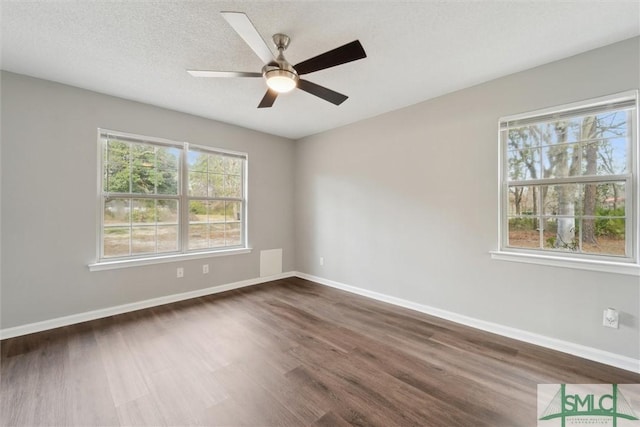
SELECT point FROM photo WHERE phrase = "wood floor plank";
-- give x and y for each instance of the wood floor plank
(248, 403)
(34, 385)
(289, 394)
(286, 353)
(142, 411)
(123, 374)
(19, 381)
(183, 399)
(330, 419)
(92, 404)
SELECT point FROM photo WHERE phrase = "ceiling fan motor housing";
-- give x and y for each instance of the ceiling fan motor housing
(280, 69)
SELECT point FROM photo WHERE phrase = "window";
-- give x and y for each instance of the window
(215, 199)
(160, 197)
(569, 181)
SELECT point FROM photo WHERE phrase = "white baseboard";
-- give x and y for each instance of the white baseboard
(590, 353)
(597, 355)
(125, 308)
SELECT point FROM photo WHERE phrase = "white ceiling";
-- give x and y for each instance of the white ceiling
(139, 50)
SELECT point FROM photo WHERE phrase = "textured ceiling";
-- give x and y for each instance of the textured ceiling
(140, 50)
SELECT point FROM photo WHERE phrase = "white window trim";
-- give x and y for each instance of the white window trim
(629, 269)
(161, 259)
(626, 266)
(118, 263)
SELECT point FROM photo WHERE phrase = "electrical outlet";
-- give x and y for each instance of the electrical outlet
(205, 268)
(180, 272)
(321, 260)
(610, 318)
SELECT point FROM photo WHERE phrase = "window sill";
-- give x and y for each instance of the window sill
(580, 264)
(126, 263)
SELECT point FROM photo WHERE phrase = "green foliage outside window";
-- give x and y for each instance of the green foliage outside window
(141, 168)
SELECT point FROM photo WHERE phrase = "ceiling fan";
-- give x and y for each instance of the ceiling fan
(281, 76)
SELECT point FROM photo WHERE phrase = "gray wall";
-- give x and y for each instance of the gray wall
(49, 173)
(406, 204)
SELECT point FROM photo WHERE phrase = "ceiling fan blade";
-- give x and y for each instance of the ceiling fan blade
(340, 55)
(322, 92)
(206, 73)
(268, 99)
(245, 29)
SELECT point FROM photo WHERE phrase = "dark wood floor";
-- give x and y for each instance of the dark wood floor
(289, 353)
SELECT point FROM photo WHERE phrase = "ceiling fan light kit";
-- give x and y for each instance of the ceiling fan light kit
(281, 81)
(279, 75)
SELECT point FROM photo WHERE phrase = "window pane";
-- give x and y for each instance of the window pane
(232, 234)
(523, 200)
(605, 157)
(167, 158)
(519, 138)
(166, 181)
(564, 200)
(610, 199)
(216, 235)
(117, 211)
(143, 211)
(198, 184)
(524, 164)
(198, 211)
(117, 168)
(232, 166)
(232, 186)
(233, 211)
(523, 232)
(603, 230)
(167, 211)
(569, 130)
(609, 237)
(143, 179)
(143, 154)
(556, 132)
(198, 236)
(561, 234)
(590, 158)
(167, 238)
(613, 124)
(197, 161)
(216, 163)
(143, 240)
(216, 212)
(216, 185)
(116, 241)
(118, 178)
(117, 152)
(561, 160)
